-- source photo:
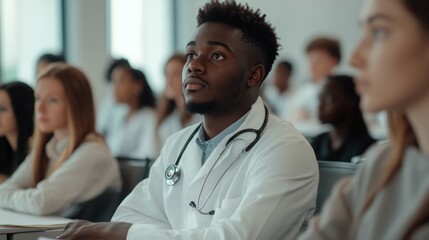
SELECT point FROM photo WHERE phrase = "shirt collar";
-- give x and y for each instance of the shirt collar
(207, 146)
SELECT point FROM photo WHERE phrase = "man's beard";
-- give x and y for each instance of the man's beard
(200, 108)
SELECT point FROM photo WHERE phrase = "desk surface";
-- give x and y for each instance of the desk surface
(16, 223)
(10, 218)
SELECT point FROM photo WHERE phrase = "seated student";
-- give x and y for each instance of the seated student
(388, 198)
(278, 92)
(108, 107)
(240, 174)
(16, 125)
(131, 132)
(69, 163)
(339, 107)
(46, 59)
(323, 54)
(171, 111)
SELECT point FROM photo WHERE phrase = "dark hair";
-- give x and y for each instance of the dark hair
(147, 99)
(120, 62)
(419, 8)
(346, 84)
(330, 45)
(22, 100)
(287, 65)
(51, 58)
(256, 30)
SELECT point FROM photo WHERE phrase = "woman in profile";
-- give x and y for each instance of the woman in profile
(388, 198)
(131, 131)
(16, 125)
(69, 163)
(171, 113)
(339, 107)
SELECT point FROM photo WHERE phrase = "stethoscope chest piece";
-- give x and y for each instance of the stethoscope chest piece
(172, 174)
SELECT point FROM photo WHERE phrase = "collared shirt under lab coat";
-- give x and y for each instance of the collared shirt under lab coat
(266, 194)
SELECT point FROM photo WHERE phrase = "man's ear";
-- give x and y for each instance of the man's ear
(256, 76)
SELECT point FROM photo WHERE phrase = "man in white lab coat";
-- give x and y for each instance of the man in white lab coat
(241, 173)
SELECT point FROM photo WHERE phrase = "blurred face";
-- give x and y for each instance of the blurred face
(173, 74)
(214, 76)
(320, 64)
(281, 77)
(125, 88)
(392, 57)
(51, 106)
(7, 115)
(333, 104)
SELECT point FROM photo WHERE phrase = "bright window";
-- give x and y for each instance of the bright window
(141, 31)
(28, 29)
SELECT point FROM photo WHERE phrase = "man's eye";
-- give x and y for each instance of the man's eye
(217, 56)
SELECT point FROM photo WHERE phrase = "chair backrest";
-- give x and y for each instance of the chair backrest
(98, 209)
(330, 172)
(132, 172)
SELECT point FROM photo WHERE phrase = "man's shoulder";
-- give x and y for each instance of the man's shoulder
(281, 131)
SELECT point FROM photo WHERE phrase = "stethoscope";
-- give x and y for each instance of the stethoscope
(172, 173)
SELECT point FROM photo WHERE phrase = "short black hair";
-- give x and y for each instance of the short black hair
(287, 65)
(119, 62)
(51, 58)
(256, 30)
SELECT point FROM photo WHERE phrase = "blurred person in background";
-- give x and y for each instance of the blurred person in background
(48, 58)
(69, 162)
(323, 55)
(278, 91)
(16, 125)
(109, 108)
(131, 133)
(339, 107)
(172, 114)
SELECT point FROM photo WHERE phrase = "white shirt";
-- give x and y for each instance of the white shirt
(268, 193)
(306, 99)
(89, 171)
(280, 102)
(133, 137)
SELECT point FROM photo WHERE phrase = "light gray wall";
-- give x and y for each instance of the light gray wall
(87, 40)
(296, 22)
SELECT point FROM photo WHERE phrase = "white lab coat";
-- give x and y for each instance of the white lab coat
(266, 194)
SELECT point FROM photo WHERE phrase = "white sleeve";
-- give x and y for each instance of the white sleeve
(279, 195)
(148, 193)
(87, 173)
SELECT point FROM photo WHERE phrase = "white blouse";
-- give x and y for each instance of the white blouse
(89, 171)
(133, 136)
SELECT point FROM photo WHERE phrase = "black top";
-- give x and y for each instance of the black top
(352, 146)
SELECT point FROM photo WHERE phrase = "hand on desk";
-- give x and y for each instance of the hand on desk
(87, 230)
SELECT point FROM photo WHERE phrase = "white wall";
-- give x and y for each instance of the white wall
(296, 22)
(87, 45)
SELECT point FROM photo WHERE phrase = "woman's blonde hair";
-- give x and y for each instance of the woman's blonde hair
(80, 116)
